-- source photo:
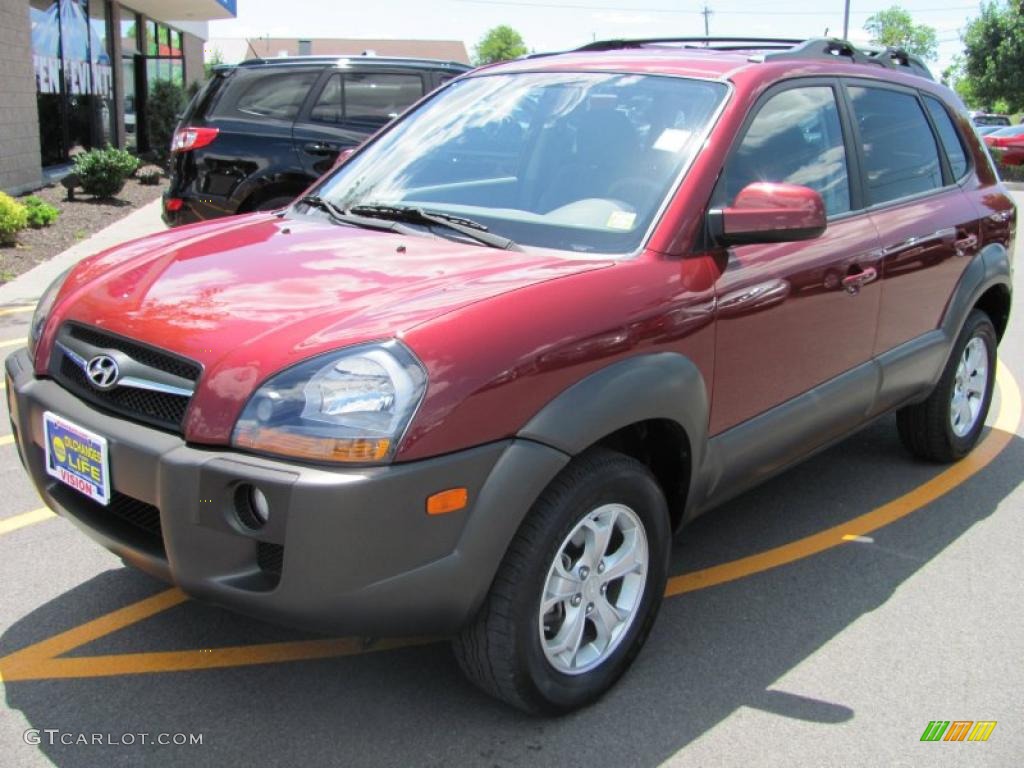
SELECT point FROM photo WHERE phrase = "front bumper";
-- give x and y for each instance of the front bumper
(345, 550)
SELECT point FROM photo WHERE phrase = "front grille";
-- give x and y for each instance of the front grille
(159, 409)
(156, 408)
(154, 358)
(270, 557)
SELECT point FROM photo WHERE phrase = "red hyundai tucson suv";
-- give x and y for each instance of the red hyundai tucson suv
(474, 380)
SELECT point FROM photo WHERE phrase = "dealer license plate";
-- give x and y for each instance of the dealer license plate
(77, 457)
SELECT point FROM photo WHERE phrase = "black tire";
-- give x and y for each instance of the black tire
(274, 203)
(926, 428)
(501, 650)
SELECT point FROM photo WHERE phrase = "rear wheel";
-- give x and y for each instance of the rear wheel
(578, 590)
(947, 425)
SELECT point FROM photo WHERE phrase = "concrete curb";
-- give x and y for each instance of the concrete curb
(27, 288)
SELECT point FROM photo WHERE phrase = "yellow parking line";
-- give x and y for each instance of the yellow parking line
(44, 660)
(17, 310)
(12, 342)
(995, 441)
(9, 524)
(6, 439)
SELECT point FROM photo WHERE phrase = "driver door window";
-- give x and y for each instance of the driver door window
(795, 138)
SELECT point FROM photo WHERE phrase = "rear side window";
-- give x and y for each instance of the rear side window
(900, 155)
(795, 138)
(277, 95)
(328, 107)
(379, 97)
(367, 99)
(949, 136)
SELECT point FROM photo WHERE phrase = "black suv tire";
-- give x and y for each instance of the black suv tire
(926, 428)
(502, 651)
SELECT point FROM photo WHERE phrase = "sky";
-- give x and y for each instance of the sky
(562, 24)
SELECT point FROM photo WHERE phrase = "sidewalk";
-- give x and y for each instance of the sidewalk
(27, 288)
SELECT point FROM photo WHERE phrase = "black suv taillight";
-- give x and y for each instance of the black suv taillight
(191, 137)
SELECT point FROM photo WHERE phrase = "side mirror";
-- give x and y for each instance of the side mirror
(765, 212)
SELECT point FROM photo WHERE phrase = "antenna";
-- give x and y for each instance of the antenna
(706, 13)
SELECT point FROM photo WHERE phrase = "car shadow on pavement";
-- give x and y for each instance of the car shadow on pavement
(711, 652)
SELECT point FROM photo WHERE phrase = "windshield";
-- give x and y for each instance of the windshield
(1015, 130)
(578, 162)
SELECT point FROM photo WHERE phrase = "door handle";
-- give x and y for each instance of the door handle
(754, 298)
(964, 245)
(853, 283)
(320, 148)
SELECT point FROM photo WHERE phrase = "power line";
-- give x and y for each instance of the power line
(678, 12)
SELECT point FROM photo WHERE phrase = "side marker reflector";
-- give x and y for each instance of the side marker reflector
(444, 502)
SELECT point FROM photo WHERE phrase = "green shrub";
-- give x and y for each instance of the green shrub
(13, 219)
(150, 175)
(102, 172)
(40, 213)
(166, 101)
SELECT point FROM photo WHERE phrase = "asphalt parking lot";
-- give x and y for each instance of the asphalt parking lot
(823, 619)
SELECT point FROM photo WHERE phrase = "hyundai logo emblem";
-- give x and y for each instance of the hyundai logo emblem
(102, 372)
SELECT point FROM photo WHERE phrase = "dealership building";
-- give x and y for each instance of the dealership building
(77, 74)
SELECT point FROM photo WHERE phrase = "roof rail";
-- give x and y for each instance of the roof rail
(774, 49)
(412, 61)
(713, 43)
(900, 59)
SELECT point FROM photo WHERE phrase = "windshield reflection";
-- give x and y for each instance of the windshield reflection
(572, 161)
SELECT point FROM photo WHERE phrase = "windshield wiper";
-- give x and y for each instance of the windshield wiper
(471, 229)
(344, 217)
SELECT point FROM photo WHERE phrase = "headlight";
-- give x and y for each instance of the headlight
(347, 406)
(42, 313)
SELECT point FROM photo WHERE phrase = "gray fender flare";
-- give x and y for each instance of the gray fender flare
(659, 385)
(989, 268)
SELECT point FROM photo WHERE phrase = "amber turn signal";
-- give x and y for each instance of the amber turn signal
(362, 450)
(444, 502)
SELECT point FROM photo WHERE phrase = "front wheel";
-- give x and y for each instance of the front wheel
(578, 590)
(947, 425)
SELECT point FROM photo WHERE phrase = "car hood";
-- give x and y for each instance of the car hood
(249, 296)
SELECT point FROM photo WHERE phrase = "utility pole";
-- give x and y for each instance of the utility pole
(706, 13)
(846, 21)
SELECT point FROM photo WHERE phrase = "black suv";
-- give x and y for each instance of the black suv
(260, 132)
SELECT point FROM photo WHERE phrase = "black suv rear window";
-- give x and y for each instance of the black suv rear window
(900, 155)
(258, 94)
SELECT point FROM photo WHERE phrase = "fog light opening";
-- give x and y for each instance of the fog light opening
(251, 507)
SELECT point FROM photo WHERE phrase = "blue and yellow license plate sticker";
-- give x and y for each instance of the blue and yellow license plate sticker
(77, 457)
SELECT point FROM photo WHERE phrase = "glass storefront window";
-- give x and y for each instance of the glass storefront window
(102, 74)
(129, 33)
(45, 18)
(71, 47)
(150, 43)
(74, 76)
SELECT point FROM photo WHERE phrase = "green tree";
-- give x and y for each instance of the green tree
(499, 44)
(993, 54)
(895, 28)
